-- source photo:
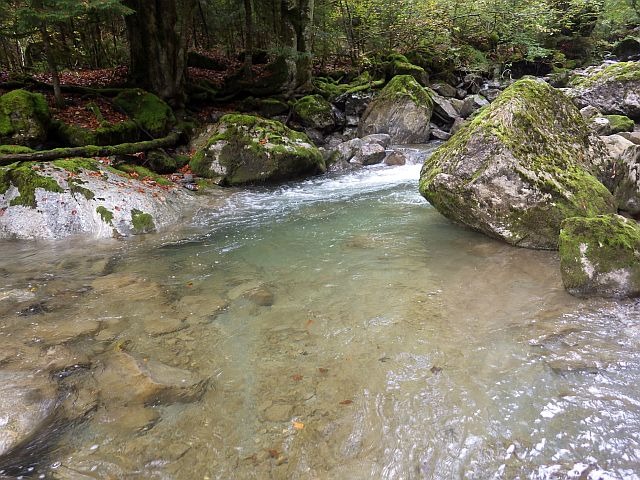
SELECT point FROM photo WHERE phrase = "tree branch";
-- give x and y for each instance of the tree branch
(92, 150)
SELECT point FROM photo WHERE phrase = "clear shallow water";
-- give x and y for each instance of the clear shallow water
(347, 331)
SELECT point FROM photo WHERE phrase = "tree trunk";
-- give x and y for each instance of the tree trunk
(248, 42)
(297, 25)
(53, 66)
(158, 34)
(91, 150)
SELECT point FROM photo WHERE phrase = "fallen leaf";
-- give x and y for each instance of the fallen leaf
(273, 453)
(298, 425)
(297, 377)
(346, 402)
(435, 370)
(323, 371)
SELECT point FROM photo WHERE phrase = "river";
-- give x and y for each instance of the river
(339, 328)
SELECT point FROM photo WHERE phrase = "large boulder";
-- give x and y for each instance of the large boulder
(601, 256)
(244, 149)
(613, 89)
(519, 168)
(79, 196)
(24, 118)
(402, 109)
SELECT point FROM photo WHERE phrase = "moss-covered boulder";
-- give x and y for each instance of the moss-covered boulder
(519, 168)
(612, 89)
(24, 118)
(399, 65)
(313, 111)
(149, 112)
(106, 134)
(403, 110)
(601, 256)
(244, 149)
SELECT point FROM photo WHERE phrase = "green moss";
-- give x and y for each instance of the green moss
(23, 113)
(313, 110)
(13, 149)
(149, 111)
(618, 72)
(26, 179)
(142, 173)
(106, 134)
(406, 86)
(105, 214)
(620, 123)
(76, 165)
(405, 68)
(253, 149)
(142, 222)
(161, 162)
(605, 244)
(554, 163)
(76, 188)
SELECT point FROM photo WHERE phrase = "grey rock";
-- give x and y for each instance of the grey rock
(369, 154)
(439, 134)
(395, 159)
(443, 111)
(444, 89)
(494, 179)
(473, 103)
(589, 112)
(379, 138)
(621, 173)
(402, 109)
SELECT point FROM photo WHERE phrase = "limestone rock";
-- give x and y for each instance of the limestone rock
(402, 109)
(621, 173)
(601, 256)
(72, 196)
(247, 149)
(519, 168)
(369, 154)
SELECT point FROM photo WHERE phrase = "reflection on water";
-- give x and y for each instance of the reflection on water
(329, 329)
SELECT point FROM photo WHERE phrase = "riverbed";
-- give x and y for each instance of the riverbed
(332, 328)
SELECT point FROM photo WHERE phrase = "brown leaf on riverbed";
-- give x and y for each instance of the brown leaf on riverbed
(298, 425)
(435, 370)
(297, 377)
(323, 371)
(273, 453)
(346, 402)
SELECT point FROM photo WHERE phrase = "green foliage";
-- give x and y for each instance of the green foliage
(147, 110)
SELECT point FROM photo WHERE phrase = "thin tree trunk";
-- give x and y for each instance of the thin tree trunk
(53, 67)
(248, 42)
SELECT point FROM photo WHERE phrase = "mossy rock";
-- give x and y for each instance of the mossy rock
(141, 173)
(402, 109)
(519, 168)
(148, 111)
(620, 123)
(401, 66)
(314, 111)
(245, 149)
(601, 256)
(161, 162)
(106, 134)
(613, 89)
(26, 178)
(24, 118)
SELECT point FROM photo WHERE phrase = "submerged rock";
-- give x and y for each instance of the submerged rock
(24, 118)
(613, 89)
(246, 149)
(73, 196)
(601, 256)
(519, 168)
(402, 110)
(127, 379)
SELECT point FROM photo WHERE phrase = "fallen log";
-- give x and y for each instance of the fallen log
(92, 150)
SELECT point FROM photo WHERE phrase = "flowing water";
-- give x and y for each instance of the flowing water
(341, 329)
